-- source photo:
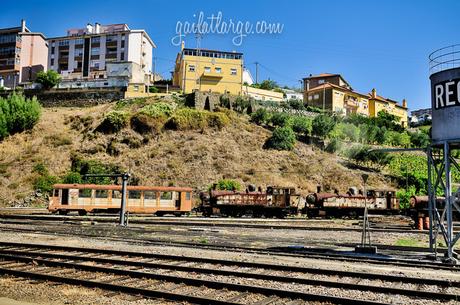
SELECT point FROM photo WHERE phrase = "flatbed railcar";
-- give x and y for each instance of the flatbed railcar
(92, 198)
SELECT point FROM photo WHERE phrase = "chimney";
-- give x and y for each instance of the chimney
(374, 93)
(404, 103)
(307, 84)
(23, 25)
(182, 45)
(89, 28)
(97, 28)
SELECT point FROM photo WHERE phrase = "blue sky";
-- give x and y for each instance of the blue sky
(381, 44)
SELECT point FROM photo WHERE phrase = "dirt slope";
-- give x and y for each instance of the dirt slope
(186, 158)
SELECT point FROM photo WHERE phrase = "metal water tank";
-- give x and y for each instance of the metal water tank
(445, 93)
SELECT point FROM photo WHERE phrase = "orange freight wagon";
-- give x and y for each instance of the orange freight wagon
(92, 198)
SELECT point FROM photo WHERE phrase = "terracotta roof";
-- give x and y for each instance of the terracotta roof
(324, 75)
(385, 100)
(329, 85)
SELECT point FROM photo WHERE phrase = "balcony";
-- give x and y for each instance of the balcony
(351, 101)
(211, 74)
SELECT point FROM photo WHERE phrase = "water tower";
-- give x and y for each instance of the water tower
(445, 136)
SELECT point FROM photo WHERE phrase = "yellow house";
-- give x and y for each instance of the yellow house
(378, 103)
(262, 95)
(338, 99)
(208, 70)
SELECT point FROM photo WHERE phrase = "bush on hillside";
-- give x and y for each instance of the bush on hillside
(217, 120)
(193, 119)
(283, 138)
(17, 114)
(241, 104)
(158, 109)
(333, 146)
(322, 125)
(145, 124)
(72, 178)
(43, 181)
(114, 121)
(281, 119)
(260, 116)
(419, 139)
(84, 166)
(228, 185)
(302, 125)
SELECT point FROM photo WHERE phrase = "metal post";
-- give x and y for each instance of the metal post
(124, 184)
(431, 193)
(448, 205)
(363, 235)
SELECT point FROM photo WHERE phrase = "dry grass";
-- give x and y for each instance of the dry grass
(186, 158)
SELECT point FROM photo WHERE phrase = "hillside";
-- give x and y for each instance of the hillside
(185, 158)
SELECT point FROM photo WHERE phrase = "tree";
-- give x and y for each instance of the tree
(48, 79)
(268, 84)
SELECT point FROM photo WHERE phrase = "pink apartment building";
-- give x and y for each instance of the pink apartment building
(22, 55)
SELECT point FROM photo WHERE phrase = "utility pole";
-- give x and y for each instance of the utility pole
(257, 71)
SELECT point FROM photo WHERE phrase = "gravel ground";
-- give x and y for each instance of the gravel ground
(62, 294)
(47, 293)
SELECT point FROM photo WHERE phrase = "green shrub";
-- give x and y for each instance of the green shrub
(187, 119)
(217, 119)
(158, 110)
(260, 116)
(363, 155)
(241, 104)
(228, 185)
(333, 146)
(404, 196)
(72, 178)
(283, 138)
(114, 121)
(322, 125)
(85, 166)
(153, 89)
(419, 139)
(301, 124)
(43, 181)
(17, 114)
(296, 104)
(281, 119)
(145, 124)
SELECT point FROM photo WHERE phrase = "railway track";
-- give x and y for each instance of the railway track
(384, 259)
(272, 225)
(220, 281)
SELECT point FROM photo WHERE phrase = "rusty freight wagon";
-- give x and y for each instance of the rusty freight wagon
(351, 204)
(92, 198)
(274, 202)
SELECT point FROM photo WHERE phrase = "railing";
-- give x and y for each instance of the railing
(445, 58)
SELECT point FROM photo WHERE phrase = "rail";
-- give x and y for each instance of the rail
(445, 58)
